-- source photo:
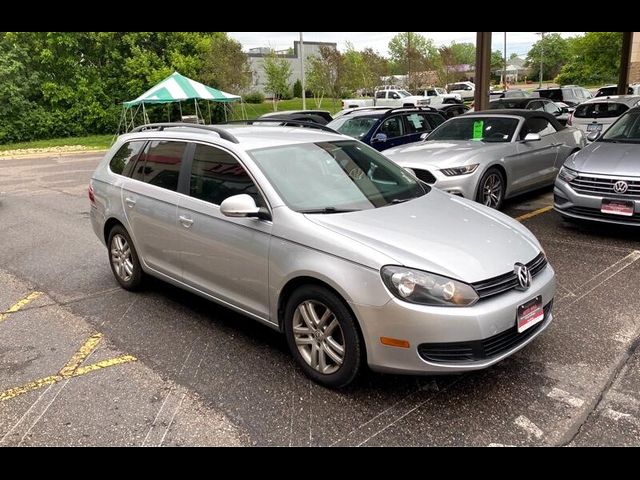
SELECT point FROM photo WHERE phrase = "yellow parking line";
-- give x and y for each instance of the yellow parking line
(71, 369)
(529, 215)
(19, 305)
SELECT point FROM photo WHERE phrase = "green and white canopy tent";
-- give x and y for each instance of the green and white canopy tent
(174, 88)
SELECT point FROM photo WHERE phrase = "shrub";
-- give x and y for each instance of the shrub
(297, 89)
(254, 97)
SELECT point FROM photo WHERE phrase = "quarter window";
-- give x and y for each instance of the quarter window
(124, 159)
(160, 164)
(217, 175)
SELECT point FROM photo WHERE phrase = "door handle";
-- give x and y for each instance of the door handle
(130, 202)
(186, 222)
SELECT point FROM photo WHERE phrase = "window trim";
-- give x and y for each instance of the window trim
(182, 161)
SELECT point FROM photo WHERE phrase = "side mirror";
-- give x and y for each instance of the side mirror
(241, 205)
(557, 113)
(423, 136)
(379, 137)
(531, 137)
(593, 136)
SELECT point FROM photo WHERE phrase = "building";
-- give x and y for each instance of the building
(634, 71)
(257, 55)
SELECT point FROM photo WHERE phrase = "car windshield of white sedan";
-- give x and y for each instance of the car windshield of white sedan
(334, 177)
(484, 129)
(625, 130)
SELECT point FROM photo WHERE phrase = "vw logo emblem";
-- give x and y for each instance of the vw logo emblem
(523, 275)
(620, 186)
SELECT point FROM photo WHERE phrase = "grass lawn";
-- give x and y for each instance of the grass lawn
(254, 110)
(91, 142)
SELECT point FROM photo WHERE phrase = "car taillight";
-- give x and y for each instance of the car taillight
(92, 197)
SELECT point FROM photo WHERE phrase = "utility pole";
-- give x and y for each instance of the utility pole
(408, 59)
(304, 96)
(504, 67)
(541, 54)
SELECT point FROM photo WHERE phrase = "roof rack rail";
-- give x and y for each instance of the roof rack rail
(426, 108)
(211, 128)
(285, 122)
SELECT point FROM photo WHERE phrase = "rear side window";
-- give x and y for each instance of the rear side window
(554, 94)
(217, 175)
(600, 110)
(381, 94)
(160, 164)
(418, 123)
(124, 159)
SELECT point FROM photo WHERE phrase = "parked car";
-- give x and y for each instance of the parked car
(466, 90)
(321, 117)
(608, 90)
(597, 114)
(385, 128)
(511, 93)
(572, 95)
(528, 103)
(438, 96)
(601, 182)
(320, 237)
(491, 156)
(388, 98)
(451, 110)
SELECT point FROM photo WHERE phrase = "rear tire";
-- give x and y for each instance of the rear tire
(323, 337)
(123, 259)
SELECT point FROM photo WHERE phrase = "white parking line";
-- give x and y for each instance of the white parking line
(566, 397)
(530, 427)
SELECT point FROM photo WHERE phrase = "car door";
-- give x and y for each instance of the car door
(224, 257)
(534, 164)
(150, 203)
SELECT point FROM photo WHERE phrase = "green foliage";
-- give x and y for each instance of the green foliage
(594, 58)
(278, 72)
(225, 65)
(254, 97)
(410, 53)
(554, 51)
(326, 74)
(58, 84)
(297, 89)
(463, 53)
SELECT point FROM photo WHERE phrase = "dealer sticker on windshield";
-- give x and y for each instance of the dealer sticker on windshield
(530, 313)
(478, 129)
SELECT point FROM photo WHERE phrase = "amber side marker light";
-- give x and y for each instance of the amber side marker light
(394, 342)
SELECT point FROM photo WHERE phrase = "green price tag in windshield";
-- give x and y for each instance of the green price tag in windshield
(478, 129)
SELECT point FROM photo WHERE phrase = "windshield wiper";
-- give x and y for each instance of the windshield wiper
(401, 200)
(329, 210)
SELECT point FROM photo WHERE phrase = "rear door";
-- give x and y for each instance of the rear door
(150, 203)
(222, 256)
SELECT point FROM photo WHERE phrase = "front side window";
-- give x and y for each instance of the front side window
(217, 175)
(160, 163)
(552, 108)
(392, 127)
(625, 130)
(538, 125)
(124, 159)
(328, 177)
(485, 129)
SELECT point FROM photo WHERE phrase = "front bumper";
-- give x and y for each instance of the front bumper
(420, 324)
(572, 204)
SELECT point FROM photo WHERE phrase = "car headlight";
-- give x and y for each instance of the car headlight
(451, 172)
(416, 286)
(567, 174)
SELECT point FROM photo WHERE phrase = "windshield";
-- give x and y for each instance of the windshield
(403, 93)
(330, 177)
(485, 129)
(356, 127)
(626, 129)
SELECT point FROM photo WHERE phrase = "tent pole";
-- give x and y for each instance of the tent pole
(168, 113)
(209, 109)
(224, 105)
(180, 105)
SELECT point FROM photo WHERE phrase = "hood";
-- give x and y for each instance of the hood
(441, 153)
(608, 159)
(440, 233)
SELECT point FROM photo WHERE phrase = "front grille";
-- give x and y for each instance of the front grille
(596, 213)
(464, 352)
(425, 175)
(508, 281)
(604, 186)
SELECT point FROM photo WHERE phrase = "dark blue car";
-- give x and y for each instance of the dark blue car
(385, 128)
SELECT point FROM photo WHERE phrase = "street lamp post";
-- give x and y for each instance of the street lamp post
(304, 96)
(541, 53)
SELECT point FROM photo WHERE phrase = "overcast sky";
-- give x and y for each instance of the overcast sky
(518, 42)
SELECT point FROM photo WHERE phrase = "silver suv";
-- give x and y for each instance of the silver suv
(321, 237)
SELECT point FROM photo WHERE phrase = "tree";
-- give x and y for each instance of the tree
(278, 72)
(410, 53)
(594, 58)
(554, 51)
(224, 65)
(326, 74)
(297, 89)
(463, 53)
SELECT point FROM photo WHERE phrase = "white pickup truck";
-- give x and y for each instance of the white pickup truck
(438, 96)
(388, 98)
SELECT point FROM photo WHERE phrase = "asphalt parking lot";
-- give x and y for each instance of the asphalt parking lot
(83, 362)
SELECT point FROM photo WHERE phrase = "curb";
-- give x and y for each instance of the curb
(50, 154)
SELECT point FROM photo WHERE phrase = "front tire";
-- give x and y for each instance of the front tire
(323, 337)
(491, 189)
(123, 259)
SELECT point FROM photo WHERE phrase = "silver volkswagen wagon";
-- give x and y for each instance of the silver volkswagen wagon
(321, 237)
